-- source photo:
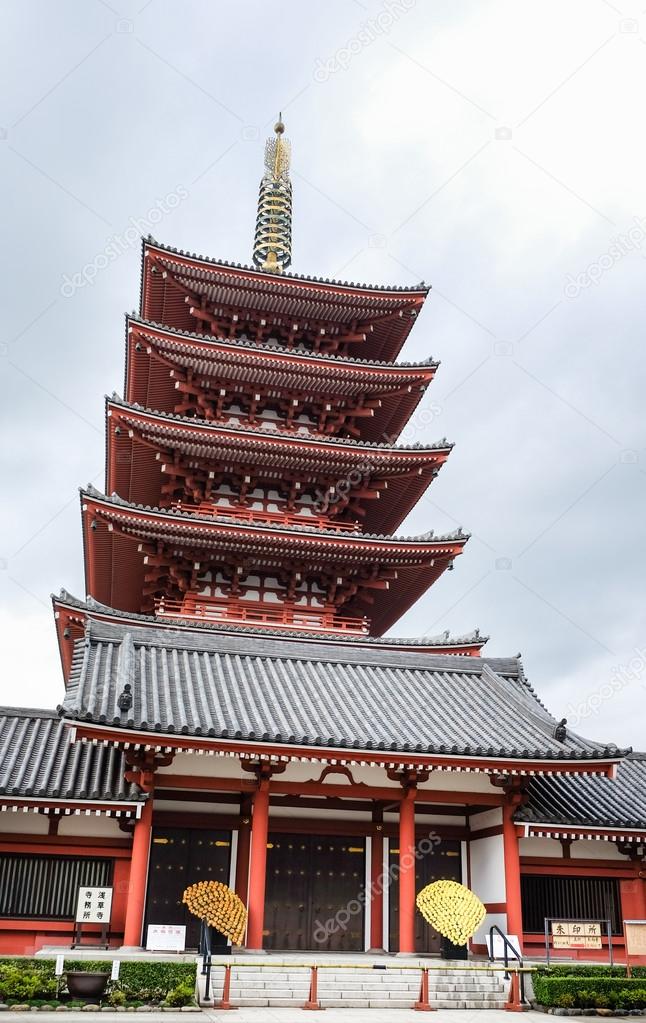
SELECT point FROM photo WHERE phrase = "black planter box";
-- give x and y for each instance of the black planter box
(450, 951)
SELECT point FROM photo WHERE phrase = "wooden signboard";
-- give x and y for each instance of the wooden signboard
(93, 906)
(635, 935)
(576, 934)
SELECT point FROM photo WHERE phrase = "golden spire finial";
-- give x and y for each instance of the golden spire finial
(272, 248)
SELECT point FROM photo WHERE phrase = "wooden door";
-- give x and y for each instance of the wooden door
(310, 881)
(443, 862)
(178, 858)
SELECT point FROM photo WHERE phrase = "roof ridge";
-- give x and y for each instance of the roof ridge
(28, 712)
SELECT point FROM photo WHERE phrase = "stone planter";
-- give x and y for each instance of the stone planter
(83, 984)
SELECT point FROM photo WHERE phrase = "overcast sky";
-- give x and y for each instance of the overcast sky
(494, 149)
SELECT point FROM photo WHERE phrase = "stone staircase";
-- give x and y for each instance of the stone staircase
(365, 986)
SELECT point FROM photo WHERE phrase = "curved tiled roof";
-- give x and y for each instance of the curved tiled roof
(286, 275)
(90, 491)
(590, 801)
(179, 335)
(37, 760)
(262, 690)
(445, 638)
(189, 424)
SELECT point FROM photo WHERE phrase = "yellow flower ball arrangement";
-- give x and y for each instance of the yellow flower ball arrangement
(451, 909)
(220, 907)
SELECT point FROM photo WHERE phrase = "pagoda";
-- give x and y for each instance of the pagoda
(253, 473)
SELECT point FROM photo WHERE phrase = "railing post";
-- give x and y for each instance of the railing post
(423, 1004)
(225, 1002)
(514, 1003)
(313, 1000)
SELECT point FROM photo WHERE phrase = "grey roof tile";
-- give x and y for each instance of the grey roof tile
(590, 801)
(268, 690)
(37, 760)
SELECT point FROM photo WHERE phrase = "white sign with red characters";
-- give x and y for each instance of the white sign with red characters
(165, 938)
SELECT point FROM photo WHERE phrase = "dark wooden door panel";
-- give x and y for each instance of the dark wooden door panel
(180, 857)
(310, 879)
(443, 862)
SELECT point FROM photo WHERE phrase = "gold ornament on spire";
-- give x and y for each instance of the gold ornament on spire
(272, 247)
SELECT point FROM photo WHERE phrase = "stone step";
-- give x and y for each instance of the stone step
(360, 988)
(370, 1003)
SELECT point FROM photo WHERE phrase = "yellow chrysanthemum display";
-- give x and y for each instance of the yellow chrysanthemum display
(219, 906)
(451, 909)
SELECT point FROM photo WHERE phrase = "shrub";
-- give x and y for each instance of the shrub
(588, 991)
(582, 970)
(152, 982)
(183, 994)
(88, 965)
(565, 1001)
(21, 980)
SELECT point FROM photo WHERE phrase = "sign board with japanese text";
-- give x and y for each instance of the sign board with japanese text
(165, 938)
(564, 934)
(93, 906)
(576, 934)
(635, 931)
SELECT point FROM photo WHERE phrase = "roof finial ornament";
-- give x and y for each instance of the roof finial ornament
(272, 249)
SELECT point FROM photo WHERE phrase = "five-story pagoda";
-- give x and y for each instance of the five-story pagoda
(253, 472)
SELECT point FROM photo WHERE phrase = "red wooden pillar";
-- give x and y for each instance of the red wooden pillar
(377, 889)
(258, 864)
(407, 871)
(138, 876)
(512, 867)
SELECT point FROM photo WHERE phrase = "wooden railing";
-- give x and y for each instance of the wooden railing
(241, 612)
(256, 515)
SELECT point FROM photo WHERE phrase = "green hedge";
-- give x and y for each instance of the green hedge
(590, 991)
(29, 979)
(153, 981)
(588, 970)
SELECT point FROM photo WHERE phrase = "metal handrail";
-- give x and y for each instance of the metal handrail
(508, 947)
(205, 952)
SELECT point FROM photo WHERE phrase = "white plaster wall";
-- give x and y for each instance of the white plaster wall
(488, 868)
(229, 767)
(540, 847)
(486, 819)
(91, 827)
(595, 849)
(178, 806)
(204, 766)
(428, 818)
(20, 823)
(311, 813)
(460, 781)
